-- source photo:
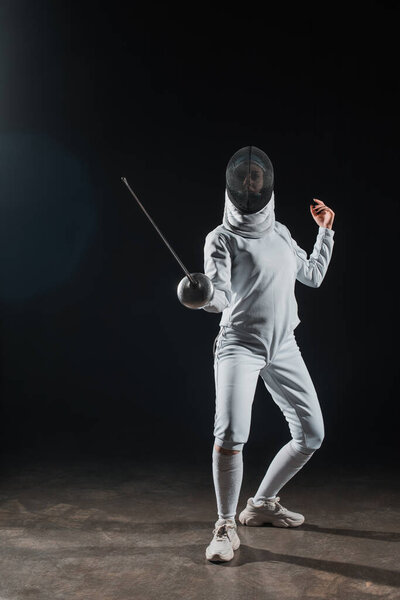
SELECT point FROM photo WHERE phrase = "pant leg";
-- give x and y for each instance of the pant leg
(237, 366)
(289, 383)
(287, 379)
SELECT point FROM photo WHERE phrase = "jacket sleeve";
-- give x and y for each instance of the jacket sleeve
(217, 266)
(311, 271)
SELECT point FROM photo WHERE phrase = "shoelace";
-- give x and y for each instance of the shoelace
(278, 508)
(221, 531)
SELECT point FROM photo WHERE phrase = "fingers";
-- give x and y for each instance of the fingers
(320, 204)
(317, 209)
(321, 208)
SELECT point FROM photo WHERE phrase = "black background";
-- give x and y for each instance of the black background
(97, 355)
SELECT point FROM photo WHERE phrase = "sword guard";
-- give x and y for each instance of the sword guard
(195, 296)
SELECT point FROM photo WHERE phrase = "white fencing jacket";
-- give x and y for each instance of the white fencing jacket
(253, 263)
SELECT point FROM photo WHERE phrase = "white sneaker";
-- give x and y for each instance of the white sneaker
(270, 511)
(224, 542)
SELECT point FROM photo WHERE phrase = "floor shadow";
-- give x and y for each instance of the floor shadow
(246, 554)
(384, 536)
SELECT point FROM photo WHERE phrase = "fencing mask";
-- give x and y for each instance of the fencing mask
(249, 180)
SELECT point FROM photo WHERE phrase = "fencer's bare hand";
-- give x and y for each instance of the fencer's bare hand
(322, 214)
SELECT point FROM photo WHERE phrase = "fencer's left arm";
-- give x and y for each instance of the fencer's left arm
(311, 271)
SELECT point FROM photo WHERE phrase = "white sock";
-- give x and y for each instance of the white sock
(227, 475)
(287, 462)
(258, 502)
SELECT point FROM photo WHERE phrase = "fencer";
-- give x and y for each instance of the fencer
(253, 263)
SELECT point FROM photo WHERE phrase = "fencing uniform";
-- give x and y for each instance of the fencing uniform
(254, 263)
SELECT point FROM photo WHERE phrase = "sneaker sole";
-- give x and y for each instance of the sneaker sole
(253, 521)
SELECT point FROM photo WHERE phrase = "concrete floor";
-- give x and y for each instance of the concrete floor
(116, 529)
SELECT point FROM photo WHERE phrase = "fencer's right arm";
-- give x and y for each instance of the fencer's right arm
(217, 266)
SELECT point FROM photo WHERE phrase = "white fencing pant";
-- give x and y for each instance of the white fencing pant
(239, 359)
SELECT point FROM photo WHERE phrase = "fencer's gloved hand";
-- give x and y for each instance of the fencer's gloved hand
(208, 303)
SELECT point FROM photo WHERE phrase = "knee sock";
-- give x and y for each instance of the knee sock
(227, 475)
(286, 463)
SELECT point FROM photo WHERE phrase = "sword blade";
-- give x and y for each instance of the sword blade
(125, 181)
